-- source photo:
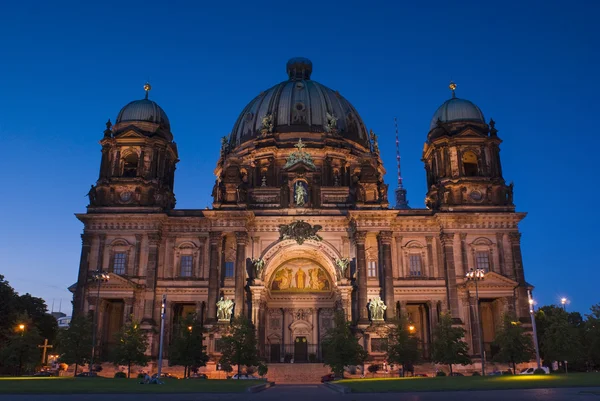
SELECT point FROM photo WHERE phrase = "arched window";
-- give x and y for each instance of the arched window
(130, 165)
(469, 160)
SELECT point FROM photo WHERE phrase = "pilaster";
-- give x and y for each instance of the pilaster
(361, 272)
(215, 239)
(385, 238)
(450, 272)
(240, 272)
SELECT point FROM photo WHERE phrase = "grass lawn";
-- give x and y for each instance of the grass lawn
(70, 385)
(471, 383)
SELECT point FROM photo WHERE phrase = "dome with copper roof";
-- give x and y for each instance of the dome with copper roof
(299, 104)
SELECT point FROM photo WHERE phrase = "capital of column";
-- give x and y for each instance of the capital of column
(429, 239)
(463, 237)
(514, 237)
(360, 237)
(215, 237)
(241, 237)
(385, 237)
(447, 238)
(202, 239)
(86, 239)
(499, 237)
(154, 239)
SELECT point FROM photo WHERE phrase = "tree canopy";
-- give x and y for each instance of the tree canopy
(240, 346)
(132, 343)
(340, 346)
(74, 344)
(187, 348)
(514, 344)
(448, 347)
(402, 345)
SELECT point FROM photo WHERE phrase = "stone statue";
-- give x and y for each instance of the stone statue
(242, 192)
(224, 309)
(342, 265)
(92, 195)
(259, 265)
(383, 192)
(216, 193)
(511, 187)
(224, 145)
(374, 141)
(299, 156)
(300, 195)
(377, 308)
(331, 125)
(267, 124)
(299, 231)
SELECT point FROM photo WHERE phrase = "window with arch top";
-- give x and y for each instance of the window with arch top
(130, 165)
(470, 164)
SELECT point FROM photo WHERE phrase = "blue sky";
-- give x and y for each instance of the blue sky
(66, 67)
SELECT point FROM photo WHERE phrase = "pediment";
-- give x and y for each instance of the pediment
(493, 279)
(117, 282)
(469, 132)
(300, 167)
(131, 132)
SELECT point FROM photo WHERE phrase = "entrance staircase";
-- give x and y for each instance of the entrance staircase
(307, 373)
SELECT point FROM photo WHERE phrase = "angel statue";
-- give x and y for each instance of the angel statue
(224, 310)
(342, 265)
(331, 123)
(259, 265)
(377, 308)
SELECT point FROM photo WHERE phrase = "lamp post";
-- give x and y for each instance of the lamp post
(22, 328)
(533, 326)
(563, 302)
(100, 277)
(476, 275)
(163, 308)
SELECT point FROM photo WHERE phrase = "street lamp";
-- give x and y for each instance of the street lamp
(100, 277)
(411, 329)
(476, 275)
(533, 326)
(563, 301)
(22, 328)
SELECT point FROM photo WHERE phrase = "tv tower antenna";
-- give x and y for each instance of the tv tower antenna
(401, 202)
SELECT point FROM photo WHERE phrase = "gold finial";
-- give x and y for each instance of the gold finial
(452, 87)
(147, 88)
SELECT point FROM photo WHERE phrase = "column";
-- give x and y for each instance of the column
(213, 275)
(400, 256)
(522, 299)
(463, 252)
(153, 243)
(240, 273)
(79, 299)
(199, 258)
(474, 318)
(127, 309)
(136, 255)
(430, 272)
(100, 260)
(385, 237)
(500, 246)
(450, 272)
(361, 271)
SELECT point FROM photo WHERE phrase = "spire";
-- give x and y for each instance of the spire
(452, 87)
(401, 202)
(147, 88)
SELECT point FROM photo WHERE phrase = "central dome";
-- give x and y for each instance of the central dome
(299, 104)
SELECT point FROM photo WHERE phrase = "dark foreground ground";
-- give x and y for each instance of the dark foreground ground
(320, 392)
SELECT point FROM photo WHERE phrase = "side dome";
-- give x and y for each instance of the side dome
(144, 110)
(456, 109)
(299, 104)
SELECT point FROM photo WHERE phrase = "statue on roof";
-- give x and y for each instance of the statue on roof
(267, 124)
(300, 156)
(331, 126)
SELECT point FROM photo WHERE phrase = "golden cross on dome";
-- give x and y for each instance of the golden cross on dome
(147, 88)
(300, 145)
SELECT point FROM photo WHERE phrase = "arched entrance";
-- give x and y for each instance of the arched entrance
(295, 300)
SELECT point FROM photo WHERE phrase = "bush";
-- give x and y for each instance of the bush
(121, 375)
(539, 372)
(440, 373)
(262, 369)
(373, 368)
(312, 358)
(476, 374)
(141, 375)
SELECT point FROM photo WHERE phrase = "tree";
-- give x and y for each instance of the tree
(448, 348)
(240, 347)
(131, 346)
(21, 352)
(515, 346)
(262, 369)
(187, 347)
(402, 345)
(557, 338)
(592, 336)
(75, 343)
(341, 347)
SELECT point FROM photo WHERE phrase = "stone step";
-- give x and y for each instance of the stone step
(297, 372)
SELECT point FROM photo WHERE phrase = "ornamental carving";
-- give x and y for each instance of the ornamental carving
(299, 231)
(299, 156)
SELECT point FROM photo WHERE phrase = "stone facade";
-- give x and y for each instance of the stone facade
(301, 227)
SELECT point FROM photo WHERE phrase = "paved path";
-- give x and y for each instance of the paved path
(319, 392)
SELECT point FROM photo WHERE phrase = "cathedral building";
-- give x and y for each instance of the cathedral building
(300, 227)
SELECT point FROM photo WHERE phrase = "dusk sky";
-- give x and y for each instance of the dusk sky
(66, 68)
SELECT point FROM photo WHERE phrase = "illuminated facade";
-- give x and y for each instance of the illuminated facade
(301, 226)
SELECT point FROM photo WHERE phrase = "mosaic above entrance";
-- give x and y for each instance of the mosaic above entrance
(300, 275)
